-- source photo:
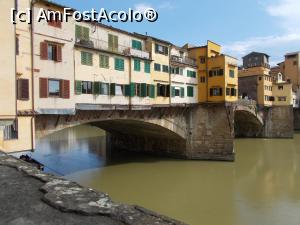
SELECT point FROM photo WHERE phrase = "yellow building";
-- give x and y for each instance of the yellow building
(160, 72)
(218, 81)
(17, 97)
(283, 92)
(255, 80)
(292, 69)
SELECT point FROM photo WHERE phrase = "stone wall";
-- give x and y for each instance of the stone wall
(211, 132)
(279, 122)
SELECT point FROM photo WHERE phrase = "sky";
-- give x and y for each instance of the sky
(240, 26)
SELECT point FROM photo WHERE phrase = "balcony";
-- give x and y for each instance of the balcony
(120, 49)
(183, 60)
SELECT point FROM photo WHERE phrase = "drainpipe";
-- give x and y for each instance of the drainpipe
(32, 73)
(170, 82)
(130, 79)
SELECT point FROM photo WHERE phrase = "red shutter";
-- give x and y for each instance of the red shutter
(44, 50)
(65, 88)
(58, 53)
(43, 88)
(23, 89)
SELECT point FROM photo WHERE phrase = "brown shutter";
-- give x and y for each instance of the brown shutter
(43, 88)
(23, 89)
(58, 53)
(44, 50)
(65, 89)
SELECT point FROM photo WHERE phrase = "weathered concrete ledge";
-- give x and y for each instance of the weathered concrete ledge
(68, 196)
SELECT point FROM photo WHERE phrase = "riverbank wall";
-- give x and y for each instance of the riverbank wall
(29, 196)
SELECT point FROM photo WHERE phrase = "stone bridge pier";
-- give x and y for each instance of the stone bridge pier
(203, 131)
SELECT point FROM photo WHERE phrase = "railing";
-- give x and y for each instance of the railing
(184, 60)
(120, 49)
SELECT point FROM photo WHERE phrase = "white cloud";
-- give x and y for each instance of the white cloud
(141, 7)
(288, 11)
(286, 14)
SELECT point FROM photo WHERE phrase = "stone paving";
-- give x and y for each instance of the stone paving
(31, 197)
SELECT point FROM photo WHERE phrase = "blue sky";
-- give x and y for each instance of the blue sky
(240, 26)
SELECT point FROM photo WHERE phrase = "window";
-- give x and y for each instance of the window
(282, 99)
(82, 33)
(227, 91)
(216, 91)
(54, 20)
(280, 87)
(113, 42)
(86, 58)
(259, 78)
(104, 89)
(177, 92)
(104, 61)
(17, 45)
(161, 49)
(190, 91)
(295, 63)
(165, 69)
(119, 90)
(119, 64)
(233, 92)
(51, 51)
(202, 79)
(202, 60)
(136, 45)
(163, 90)
(11, 132)
(231, 73)
(87, 87)
(53, 88)
(216, 72)
(157, 67)
(147, 67)
(137, 65)
(23, 89)
(191, 73)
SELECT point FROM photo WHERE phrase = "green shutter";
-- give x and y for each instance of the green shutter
(86, 33)
(136, 45)
(143, 90)
(147, 67)
(137, 65)
(83, 33)
(110, 42)
(86, 58)
(127, 90)
(190, 91)
(96, 88)
(103, 61)
(182, 92)
(119, 64)
(173, 91)
(132, 89)
(112, 89)
(78, 87)
(152, 91)
(77, 31)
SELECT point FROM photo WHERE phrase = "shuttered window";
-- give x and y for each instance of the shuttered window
(104, 89)
(112, 89)
(143, 90)
(119, 64)
(182, 92)
(86, 58)
(231, 73)
(190, 91)
(137, 65)
(113, 42)
(147, 67)
(130, 90)
(54, 22)
(104, 61)
(51, 51)
(191, 73)
(23, 89)
(136, 45)
(216, 91)
(82, 33)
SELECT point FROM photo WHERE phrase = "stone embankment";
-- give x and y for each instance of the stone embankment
(29, 196)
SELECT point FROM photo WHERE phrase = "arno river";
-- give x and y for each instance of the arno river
(262, 187)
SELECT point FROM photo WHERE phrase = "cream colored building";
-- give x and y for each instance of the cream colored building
(184, 79)
(117, 69)
(20, 135)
